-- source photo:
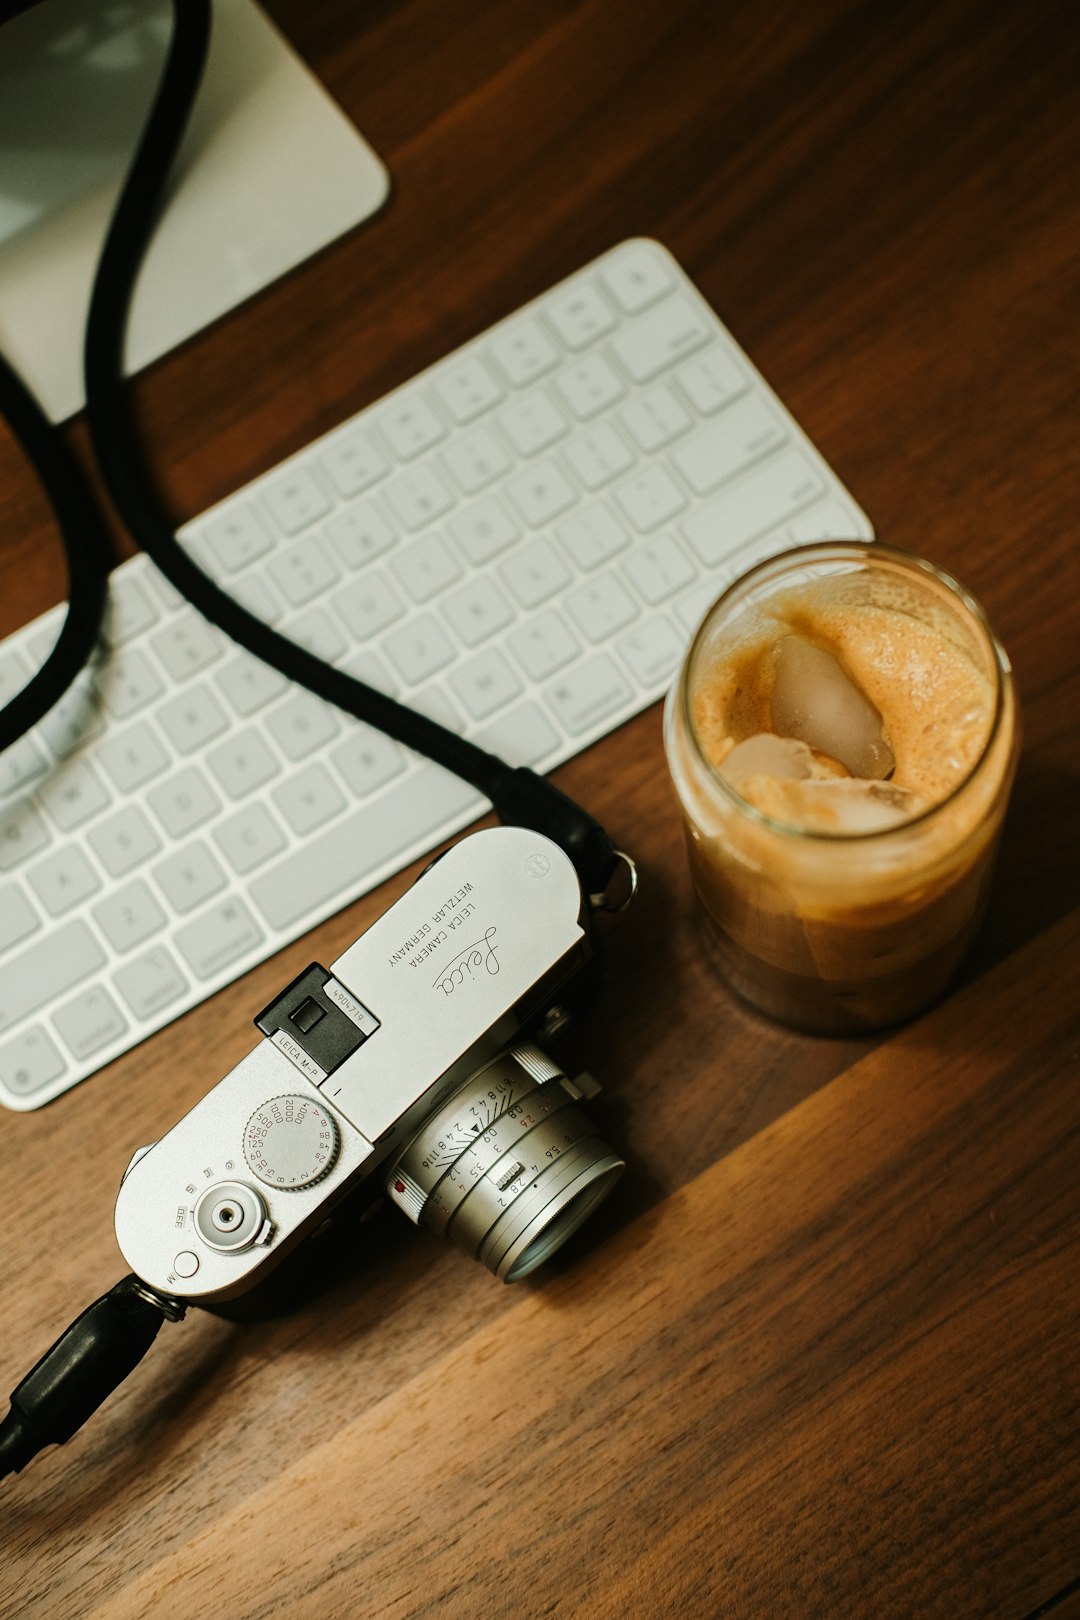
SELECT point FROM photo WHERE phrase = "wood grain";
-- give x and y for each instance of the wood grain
(818, 1354)
(828, 1376)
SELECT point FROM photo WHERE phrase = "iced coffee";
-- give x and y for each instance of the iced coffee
(842, 738)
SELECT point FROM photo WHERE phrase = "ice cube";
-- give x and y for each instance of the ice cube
(766, 755)
(815, 700)
(865, 806)
(841, 805)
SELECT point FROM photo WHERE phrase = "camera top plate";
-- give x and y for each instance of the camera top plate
(447, 977)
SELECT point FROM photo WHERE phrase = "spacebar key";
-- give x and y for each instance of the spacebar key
(363, 846)
(46, 970)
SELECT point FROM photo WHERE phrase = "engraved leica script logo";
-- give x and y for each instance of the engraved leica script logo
(471, 963)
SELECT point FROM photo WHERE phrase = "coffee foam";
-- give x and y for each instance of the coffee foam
(910, 657)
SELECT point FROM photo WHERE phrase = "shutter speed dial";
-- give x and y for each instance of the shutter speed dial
(291, 1143)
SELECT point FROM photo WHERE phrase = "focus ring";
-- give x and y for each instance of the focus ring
(507, 1166)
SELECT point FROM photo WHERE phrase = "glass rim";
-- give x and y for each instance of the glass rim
(844, 550)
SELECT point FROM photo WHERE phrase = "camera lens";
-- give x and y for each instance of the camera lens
(508, 1166)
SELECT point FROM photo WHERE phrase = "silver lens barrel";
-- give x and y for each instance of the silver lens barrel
(507, 1166)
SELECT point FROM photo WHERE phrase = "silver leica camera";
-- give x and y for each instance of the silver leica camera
(407, 1061)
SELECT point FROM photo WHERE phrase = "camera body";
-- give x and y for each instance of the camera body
(407, 1063)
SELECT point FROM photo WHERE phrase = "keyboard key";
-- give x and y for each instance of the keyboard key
(352, 461)
(654, 341)
(47, 970)
(161, 590)
(655, 418)
(744, 433)
(242, 763)
(438, 705)
(14, 674)
(542, 645)
(249, 838)
(17, 916)
(254, 593)
(366, 841)
(485, 683)
(585, 696)
(467, 388)
(476, 460)
(236, 537)
(521, 736)
(368, 606)
(30, 1061)
(409, 425)
(484, 530)
(193, 719)
(522, 351)
(22, 831)
(476, 611)
(418, 497)
(419, 648)
(308, 800)
(186, 645)
(222, 935)
(711, 379)
(43, 638)
(658, 568)
(590, 387)
(189, 877)
(535, 573)
(425, 567)
(367, 761)
(129, 915)
(62, 879)
(373, 671)
(592, 536)
(129, 610)
(303, 571)
(248, 683)
(319, 634)
(598, 456)
(770, 495)
(652, 651)
(150, 982)
(601, 607)
(128, 682)
(132, 757)
(532, 423)
(301, 725)
(580, 315)
(650, 498)
(74, 720)
(89, 1021)
(124, 840)
(360, 533)
(20, 763)
(829, 521)
(636, 277)
(294, 500)
(72, 794)
(183, 801)
(541, 493)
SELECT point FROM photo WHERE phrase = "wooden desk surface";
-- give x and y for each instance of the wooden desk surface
(817, 1355)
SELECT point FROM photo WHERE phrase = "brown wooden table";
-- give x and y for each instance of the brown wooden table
(817, 1355)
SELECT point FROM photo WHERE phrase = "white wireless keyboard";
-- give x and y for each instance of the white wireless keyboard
(518, 542)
